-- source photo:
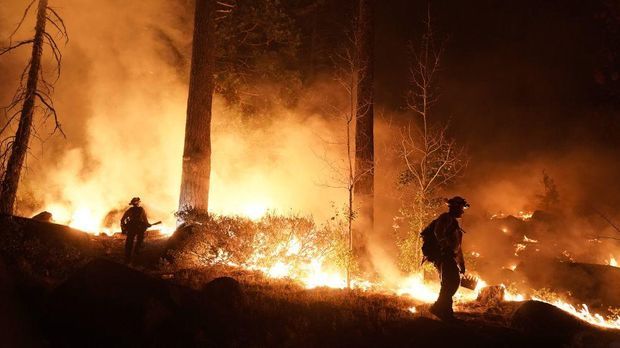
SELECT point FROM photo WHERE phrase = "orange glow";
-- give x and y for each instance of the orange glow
(525, 215)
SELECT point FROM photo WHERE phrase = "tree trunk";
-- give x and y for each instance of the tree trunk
(197, 150)
(364, 138)
(8, 191)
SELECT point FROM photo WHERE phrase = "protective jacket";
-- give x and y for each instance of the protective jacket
(134, 219)
(449, 236)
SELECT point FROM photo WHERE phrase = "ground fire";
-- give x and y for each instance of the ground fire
(309, 173)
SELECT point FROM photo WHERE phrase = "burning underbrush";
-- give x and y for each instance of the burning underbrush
(280, 246)
(295, 249)
(287, 255)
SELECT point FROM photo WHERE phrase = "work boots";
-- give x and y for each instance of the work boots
(442, 312)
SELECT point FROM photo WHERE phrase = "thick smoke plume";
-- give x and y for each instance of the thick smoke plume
(122, 100)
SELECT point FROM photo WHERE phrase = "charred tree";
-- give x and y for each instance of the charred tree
(15, 147)
(197, 149)
(364, 137)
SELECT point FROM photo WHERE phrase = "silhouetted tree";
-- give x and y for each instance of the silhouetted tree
(257, 47)
(431, 158)
(364, 118)
(37, 90)
(235, 43)
(197, 150)
(550, 199)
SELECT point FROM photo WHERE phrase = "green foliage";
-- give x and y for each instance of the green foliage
(340, 226)
(258, 49)
(415, 215)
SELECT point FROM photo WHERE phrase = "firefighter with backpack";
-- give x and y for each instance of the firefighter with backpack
(441, 245)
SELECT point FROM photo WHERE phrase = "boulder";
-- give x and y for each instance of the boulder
(18, 328)
(108, 303)
(52, 235)
(224, 293)
(44, 216)
(543, 320)
(223, 304)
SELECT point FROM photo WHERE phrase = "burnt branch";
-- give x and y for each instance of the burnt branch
(55, 52)
(52, 112)
(607, 219)
(9, 121)
(21, 21)
(605, 237)
(59, 23)
(14, 46)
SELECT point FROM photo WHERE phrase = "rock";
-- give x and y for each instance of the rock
(18, 329)
(491, 295)
(52, 235)
(223, 301)
(225, 293)
(110, 304)
(543, 320)
(44, 216)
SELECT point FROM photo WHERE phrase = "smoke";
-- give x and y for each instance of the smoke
(122, 100)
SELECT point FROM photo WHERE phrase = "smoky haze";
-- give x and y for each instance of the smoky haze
(518, 86)
(122, 97)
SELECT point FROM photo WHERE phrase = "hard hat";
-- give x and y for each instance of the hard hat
(457, 201)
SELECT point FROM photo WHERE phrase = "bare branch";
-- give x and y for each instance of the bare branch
(62, 31)
(57, 125)
(14, 46)
(605, 237)
(21, 21)
(9, 121)
(226, 4)
(608, 220)
(55, 51)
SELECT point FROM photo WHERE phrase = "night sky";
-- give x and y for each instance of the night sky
(519, 78)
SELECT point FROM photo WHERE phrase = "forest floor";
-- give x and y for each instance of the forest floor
(49, 297)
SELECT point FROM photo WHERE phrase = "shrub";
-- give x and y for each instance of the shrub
(291, 241)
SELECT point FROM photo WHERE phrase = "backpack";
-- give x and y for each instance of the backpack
(430, 246)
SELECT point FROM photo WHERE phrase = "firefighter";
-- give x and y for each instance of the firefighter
(449, 237)
(134, 224)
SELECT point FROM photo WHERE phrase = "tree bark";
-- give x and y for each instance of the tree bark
(197, 149)
(10, 183)
(364, 137)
